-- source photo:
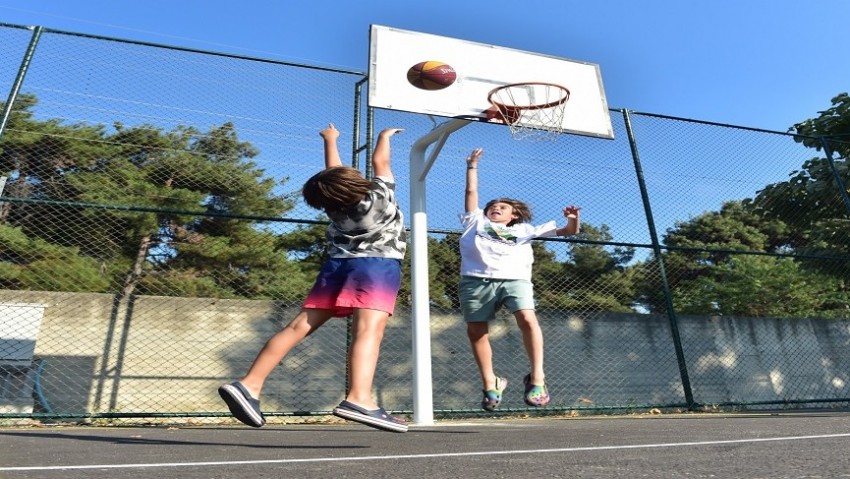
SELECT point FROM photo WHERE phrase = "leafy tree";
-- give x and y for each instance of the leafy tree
(306, 243)
(804, 216)
(833, 124)
(811, 203)
(810, 200)
(758, 286)
(32, 263)
(598, 278)
(551, 285)
(174, 203)
(443, 271)
(185, 170)
(36, 157)
(704, 243)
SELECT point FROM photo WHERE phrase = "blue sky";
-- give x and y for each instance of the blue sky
(759, 63)
(764, 64)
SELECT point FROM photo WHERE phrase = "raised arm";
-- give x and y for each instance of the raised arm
(381, 156)
(330, 136)
(471, 197)
(573, 216)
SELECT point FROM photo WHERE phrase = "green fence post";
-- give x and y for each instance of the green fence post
(656, 248)
(19, 79)
(842, 189)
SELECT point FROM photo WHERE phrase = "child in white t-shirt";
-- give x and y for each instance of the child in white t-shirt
(496, 259)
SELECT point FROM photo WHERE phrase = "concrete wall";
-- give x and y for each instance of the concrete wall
(18, 369)
(161, 354)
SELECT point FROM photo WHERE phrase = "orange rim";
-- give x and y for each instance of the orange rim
(518, 108)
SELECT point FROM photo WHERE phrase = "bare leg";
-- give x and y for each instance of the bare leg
(479, 339)
(279, 345)
(532, 339)
(367, 333)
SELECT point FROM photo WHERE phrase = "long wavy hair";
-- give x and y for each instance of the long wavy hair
(521, 209)
(335, 189)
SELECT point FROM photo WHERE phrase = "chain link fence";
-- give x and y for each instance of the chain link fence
(152, 237)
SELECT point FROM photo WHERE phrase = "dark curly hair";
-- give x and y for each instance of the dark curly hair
(335, 189)
(521, 209)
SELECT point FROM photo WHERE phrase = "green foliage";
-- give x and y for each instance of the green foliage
(245, 263)
(307, 244)
(734, 227)
(810, 200)
(832, 123)
(597, 279)
(757, 286)
(156, 233)
(806, 216)
(443, 272)
(809, 196)
(707, 275)
(178, 215)
(182, 283)
(47, 267)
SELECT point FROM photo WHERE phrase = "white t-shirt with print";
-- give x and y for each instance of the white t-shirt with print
(490, 250)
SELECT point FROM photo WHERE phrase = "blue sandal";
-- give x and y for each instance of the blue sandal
(493, 397)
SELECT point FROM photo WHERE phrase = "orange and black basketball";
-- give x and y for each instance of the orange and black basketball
(431, 75)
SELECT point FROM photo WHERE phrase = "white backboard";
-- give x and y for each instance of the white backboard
(480, 68)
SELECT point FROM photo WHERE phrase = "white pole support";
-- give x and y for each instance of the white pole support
(423, 397)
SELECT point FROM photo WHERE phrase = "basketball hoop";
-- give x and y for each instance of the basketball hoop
(530, 109)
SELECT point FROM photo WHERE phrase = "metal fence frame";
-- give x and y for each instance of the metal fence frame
(361, 140)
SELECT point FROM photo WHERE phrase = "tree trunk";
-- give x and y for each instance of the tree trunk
(133, 278)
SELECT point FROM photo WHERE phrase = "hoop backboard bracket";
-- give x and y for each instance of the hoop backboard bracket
(481, 68)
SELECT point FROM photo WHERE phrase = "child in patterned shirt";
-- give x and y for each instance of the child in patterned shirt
(361, 277)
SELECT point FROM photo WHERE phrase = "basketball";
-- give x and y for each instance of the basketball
(431, 75)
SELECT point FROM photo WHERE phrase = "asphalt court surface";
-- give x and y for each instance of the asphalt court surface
(786, 445)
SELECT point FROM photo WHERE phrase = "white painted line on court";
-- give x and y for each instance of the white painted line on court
(425, 456)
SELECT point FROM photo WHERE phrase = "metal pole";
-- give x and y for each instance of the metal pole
(19, 80)
(842, 189)
(370, 133)
(656, 248)
(423, 397)
(356, 148)
(355, 131)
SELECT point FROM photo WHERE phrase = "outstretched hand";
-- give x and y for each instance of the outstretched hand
(329, 133)
(390, 132)
(472, 159)
(571, 211)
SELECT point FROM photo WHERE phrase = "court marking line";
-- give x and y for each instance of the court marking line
(425, 456)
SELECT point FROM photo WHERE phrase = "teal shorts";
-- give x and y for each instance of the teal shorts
(480, 298)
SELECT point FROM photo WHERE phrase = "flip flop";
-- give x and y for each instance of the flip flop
(243, 407)
(378, 418)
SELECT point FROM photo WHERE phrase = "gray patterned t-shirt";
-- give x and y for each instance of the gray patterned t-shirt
(372, 228)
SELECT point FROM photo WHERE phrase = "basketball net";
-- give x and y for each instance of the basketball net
(532, 110)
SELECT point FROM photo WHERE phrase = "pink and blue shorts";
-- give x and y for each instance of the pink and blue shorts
(346, 284)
